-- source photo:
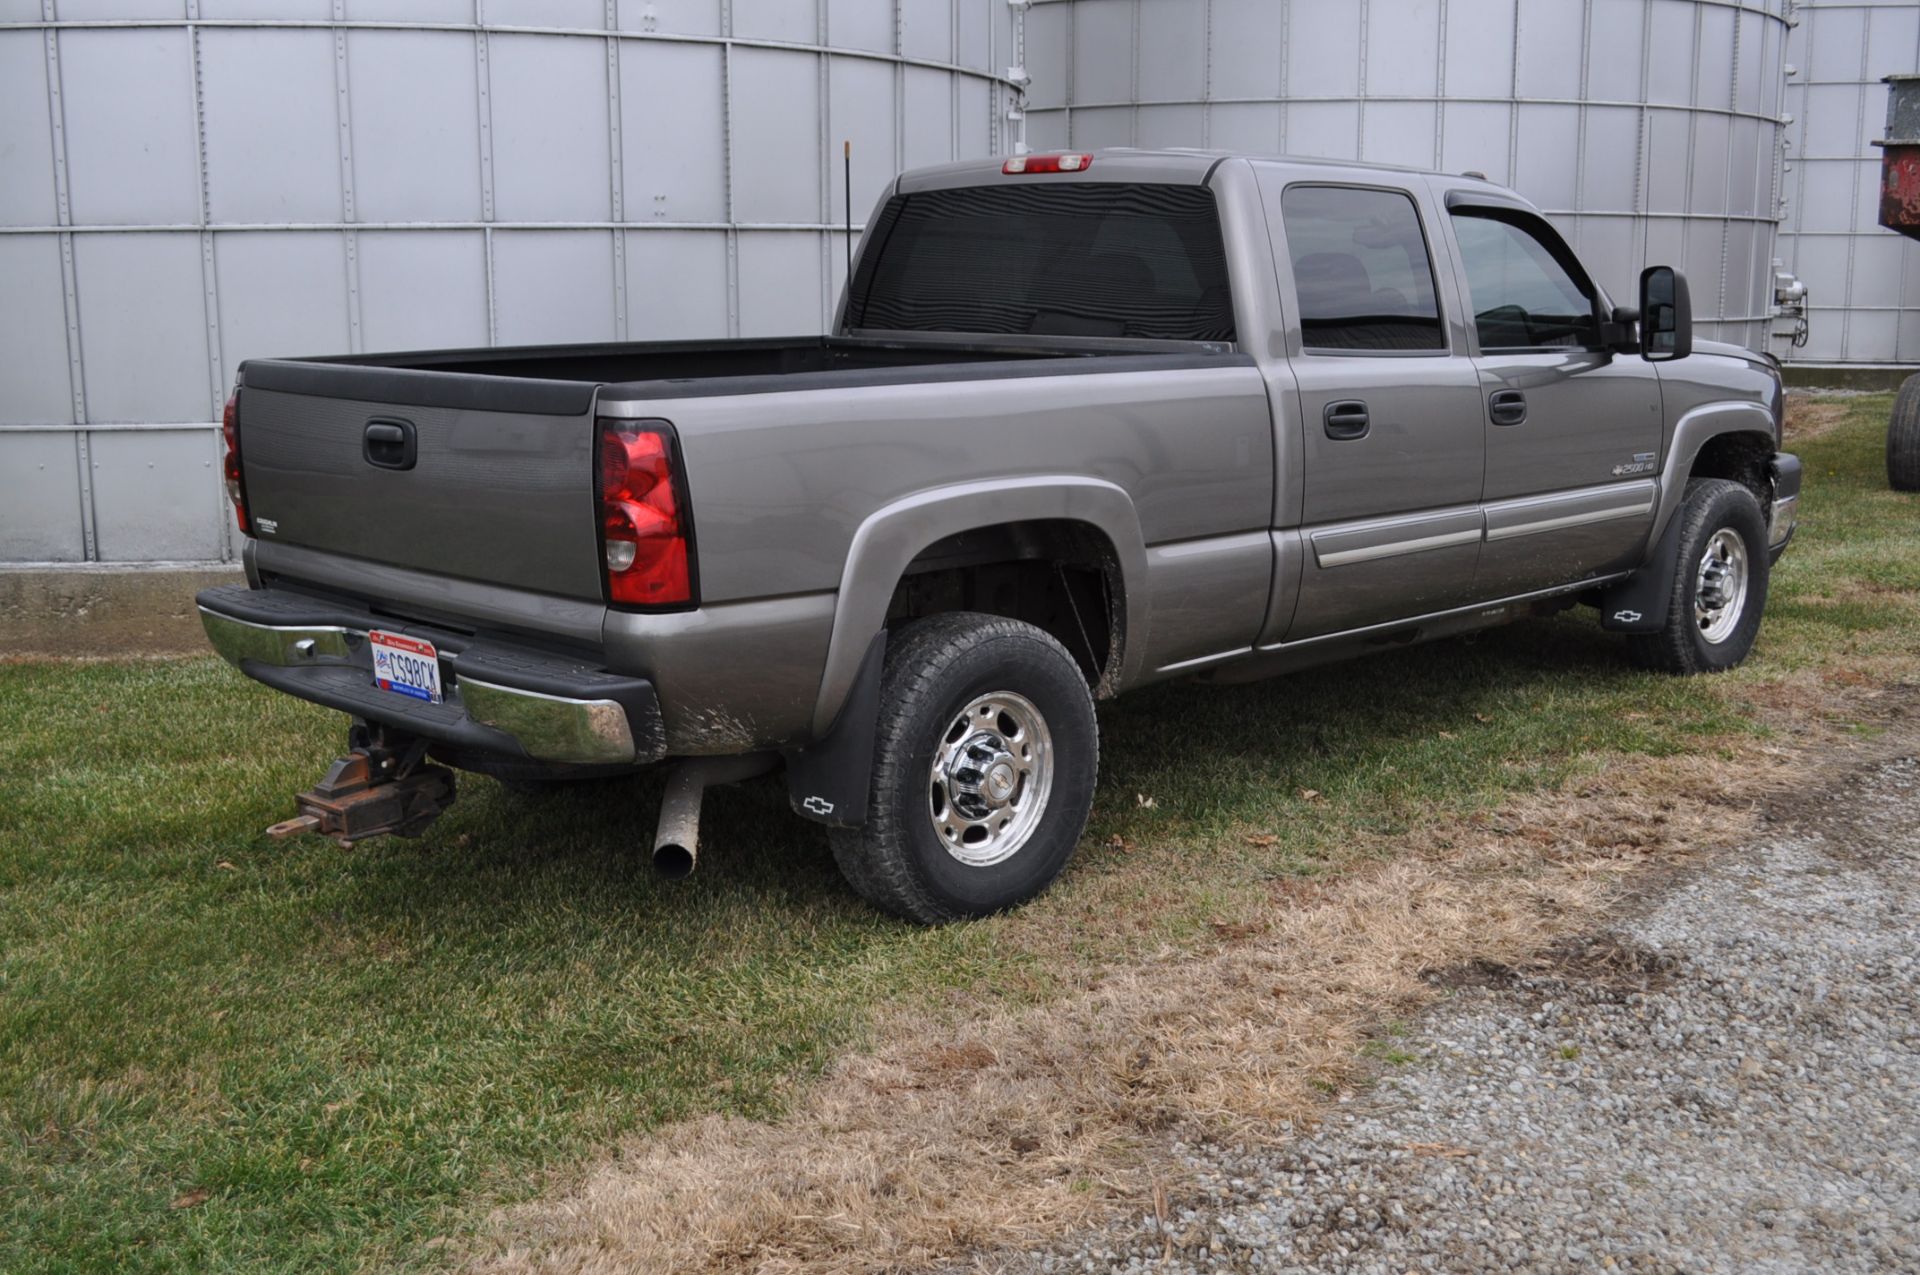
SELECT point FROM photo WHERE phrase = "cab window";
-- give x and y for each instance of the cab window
(1361, 270)
(1527, 291)
(1082, 259)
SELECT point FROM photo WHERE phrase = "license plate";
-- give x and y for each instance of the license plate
(405, 665)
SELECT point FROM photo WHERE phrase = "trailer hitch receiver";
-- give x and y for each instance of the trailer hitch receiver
(383, 786)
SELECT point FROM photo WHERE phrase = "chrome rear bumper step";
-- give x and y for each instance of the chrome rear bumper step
(500, 698)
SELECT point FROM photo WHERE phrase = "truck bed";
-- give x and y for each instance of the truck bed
(501, 489)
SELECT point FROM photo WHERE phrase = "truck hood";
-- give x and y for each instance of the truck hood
(1728, 350)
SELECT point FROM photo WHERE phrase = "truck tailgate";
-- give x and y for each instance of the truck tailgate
(492, 481)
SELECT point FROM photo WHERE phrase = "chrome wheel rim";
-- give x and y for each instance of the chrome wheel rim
(1720, 586)
(992, 775)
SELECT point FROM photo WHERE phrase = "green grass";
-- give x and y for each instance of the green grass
(352, 1052)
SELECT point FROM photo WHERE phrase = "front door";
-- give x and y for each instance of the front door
(1573, 430)
(1390, 411)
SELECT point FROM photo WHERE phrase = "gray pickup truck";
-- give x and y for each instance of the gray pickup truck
(1085, 422)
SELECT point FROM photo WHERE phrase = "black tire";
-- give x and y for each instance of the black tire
(1709, 507)
(1903, 437)
(937, 669)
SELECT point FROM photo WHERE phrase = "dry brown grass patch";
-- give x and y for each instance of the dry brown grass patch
(1015, 1125)
(1809, 417)
(985, 1131)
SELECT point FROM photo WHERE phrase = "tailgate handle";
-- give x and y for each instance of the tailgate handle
(390, 444)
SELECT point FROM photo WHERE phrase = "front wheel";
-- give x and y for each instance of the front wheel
(984, 765)
(1719, 585)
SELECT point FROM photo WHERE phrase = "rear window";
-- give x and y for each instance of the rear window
(1080, 259)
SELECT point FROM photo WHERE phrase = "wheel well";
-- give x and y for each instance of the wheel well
(1060, 576)
(1742, 457)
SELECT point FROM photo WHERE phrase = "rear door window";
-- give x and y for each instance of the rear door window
(1527, 291)
(1361, 271)
(1063, 259)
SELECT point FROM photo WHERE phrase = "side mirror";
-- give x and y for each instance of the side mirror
(1666, 315)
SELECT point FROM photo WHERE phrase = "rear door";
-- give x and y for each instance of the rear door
(1573, 431)
(1389, 407)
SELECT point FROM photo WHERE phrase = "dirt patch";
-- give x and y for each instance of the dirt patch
(1602, 960)
(104, 613)
(1810, 416)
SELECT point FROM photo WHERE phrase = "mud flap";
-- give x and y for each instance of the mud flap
(828, 780)
(1639, 603)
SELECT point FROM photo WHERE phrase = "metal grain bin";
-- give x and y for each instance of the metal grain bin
(187, 183)
(1863, 283)
(1649, 129)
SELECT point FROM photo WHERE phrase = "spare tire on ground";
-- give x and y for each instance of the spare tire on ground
(1903, 437)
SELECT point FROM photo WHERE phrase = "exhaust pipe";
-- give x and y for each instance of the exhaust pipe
(676, 840)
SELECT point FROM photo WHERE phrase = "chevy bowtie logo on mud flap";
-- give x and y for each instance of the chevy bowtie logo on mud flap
(1626, 617)
(817, 806)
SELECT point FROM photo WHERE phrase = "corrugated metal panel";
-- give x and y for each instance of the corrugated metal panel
(185, 184)
(35, 383)
(401, 133)
(129, 467)
(676, 285)
(143, 330)
(40, 489)
(553, 285)
(421, 288)
(129, 167)
(1863, 281)
(26, 196)
(1647, 128)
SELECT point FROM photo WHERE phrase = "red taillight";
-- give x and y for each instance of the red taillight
(1047, 164)
(230, 466)
(642, 523)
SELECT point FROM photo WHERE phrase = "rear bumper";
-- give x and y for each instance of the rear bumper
(1783, 517)
(501, 699)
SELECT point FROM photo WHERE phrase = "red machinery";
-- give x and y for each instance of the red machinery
(1900, 212)
(1900, 158)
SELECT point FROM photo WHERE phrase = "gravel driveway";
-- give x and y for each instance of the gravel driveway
(1728, 1080)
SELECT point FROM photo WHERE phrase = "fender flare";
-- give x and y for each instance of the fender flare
(1640, 603)
(1692, 432)
(890, 538)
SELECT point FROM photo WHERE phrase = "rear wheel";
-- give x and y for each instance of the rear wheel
(984, 765)
(1903, 438)
(1719, 586)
